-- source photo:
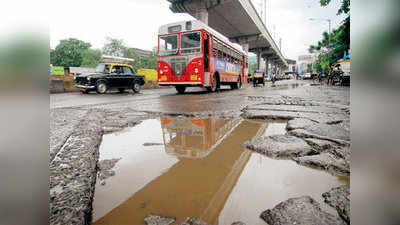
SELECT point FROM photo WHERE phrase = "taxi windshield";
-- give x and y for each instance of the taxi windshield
(102, 68)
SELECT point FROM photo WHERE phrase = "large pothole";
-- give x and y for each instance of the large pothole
(196, 167)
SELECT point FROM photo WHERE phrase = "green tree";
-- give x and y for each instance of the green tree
(114, 47)
(130, 53)
(150, 62)
(69, 52)
(332, 46)
(91, 57)
(252, 67)
(309, 68)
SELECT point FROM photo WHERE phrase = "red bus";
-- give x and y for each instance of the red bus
(191, 54)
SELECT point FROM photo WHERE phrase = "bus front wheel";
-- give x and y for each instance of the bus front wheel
(214, 85)
(180, 89)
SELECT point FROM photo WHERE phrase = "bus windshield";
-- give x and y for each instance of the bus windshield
(168, 45)
(190, 43)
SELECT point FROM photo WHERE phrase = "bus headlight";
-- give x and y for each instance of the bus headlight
(161, 72)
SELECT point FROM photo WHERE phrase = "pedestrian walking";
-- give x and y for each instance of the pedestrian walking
(320, 70)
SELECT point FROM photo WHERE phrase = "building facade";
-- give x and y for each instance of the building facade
(304, 61)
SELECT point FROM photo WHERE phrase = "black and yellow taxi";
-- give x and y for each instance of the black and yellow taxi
(109, 76)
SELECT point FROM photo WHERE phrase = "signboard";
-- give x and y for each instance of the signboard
(57, 70)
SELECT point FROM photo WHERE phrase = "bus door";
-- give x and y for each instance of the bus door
(206, 44)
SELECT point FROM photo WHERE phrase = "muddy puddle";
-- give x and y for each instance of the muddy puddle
(186, 167)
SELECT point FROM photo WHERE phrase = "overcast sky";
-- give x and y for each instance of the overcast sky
(137, 22)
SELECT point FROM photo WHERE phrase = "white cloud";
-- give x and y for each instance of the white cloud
(135, 21)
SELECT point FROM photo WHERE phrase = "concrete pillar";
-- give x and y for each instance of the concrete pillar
(273, 70)
(258, 60)
(202, 15)
(266, 66)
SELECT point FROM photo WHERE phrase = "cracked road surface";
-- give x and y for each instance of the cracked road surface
(83, 159)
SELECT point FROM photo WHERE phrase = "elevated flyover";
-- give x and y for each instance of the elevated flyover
(239, 21)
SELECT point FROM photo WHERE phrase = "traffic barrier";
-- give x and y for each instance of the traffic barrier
(61, 84)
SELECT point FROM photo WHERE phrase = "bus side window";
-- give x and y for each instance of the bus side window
(230, 55)
(225, 53)
(215, 48)
(220, 55)
(236, 58)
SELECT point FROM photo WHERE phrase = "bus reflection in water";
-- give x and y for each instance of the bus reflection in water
(195, 138)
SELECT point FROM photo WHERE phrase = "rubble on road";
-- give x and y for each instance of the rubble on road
(73, 168)
(301, 211)
(193, 221)
(280, 146)
(299, 123)
(339, 198)
(326, 161)
(343, 153)
(118, 120)
(153, 219)
(320, 145)
(105, 169)
(62, 123)
(289, 108)
(328, 131)
(73, 173)
(302, 133)
(238, 223)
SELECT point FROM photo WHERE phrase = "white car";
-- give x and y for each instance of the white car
(307, 76)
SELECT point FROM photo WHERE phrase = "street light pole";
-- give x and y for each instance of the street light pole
(329, 43)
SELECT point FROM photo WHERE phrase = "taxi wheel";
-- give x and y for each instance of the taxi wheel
(101, 87)
(136, 87)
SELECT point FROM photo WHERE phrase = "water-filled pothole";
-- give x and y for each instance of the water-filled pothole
(196, 167)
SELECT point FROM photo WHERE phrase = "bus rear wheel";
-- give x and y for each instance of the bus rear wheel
(180, 89)
(237, 85)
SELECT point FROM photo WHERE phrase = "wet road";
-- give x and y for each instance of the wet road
(168, 101)
(159, 161)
